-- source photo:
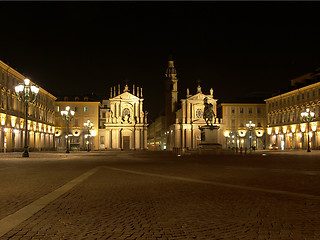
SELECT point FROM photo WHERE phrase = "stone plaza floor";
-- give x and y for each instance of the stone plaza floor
(159, 195)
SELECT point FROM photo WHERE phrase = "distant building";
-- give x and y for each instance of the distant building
(123, 123)
(286, 129)
(157, 134)
(86, 108)
(12, 112)
(236, 115)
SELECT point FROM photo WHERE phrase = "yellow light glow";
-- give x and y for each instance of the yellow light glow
(3, 118)
(259, 133)
(226, 133)
(276, 130)
(303, 127)
(293, 128)
(93, 133)
(310, 134)
(269, 130)
(300, 134)
(242, 133)
(13, 121)
(284, 129)
(314, 126)
(6, 130)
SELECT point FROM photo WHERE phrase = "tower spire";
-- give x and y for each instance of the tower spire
(171, 92)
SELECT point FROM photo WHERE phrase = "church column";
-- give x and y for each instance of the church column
(136, 106)
(141, 138)
(137, 138)
(145, 138)
(177, 136)
(183, 107)
(188, 111)
(188, 137)
(183, 137)
(140, 112)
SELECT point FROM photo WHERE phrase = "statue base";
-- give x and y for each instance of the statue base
(209, 138)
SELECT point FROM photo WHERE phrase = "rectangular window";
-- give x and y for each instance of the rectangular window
(102, 140)
(258, 110)
(302, 96)
(76, 123)
(75, 109)
(259, 124)
(298, 98)
(250, 110)
(232, 110)
(85, 109)
(241, 110)
(241, 124)
(233, 123)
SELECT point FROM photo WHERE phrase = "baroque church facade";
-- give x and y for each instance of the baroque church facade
(182, 124)
(123, 122)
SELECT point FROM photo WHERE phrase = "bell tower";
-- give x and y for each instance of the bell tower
(171, 93)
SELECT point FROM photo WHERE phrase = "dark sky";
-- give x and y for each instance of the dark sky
(234, 47)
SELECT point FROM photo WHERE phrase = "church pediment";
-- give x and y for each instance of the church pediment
(198, 96)
(125, 96)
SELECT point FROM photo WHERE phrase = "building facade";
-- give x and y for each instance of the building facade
(40, 115)
(286, 128)
(80, 138)
(123, 121)
(244, 125)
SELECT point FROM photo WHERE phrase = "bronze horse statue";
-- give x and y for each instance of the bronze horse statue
(208, 113)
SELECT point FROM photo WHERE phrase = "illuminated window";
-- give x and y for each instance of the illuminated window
(85, 109)
(57, 108)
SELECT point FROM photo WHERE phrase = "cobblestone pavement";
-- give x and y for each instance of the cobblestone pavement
(158, 195)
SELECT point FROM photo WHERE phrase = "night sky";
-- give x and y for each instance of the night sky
(235, 48)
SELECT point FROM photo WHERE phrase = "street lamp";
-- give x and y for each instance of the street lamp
(67, 115)
(89, 126)
(308, 116)
(250, 126)
(26, 93)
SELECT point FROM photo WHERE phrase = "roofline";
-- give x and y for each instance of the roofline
(21, 77)
(242, 104)
(293, 91)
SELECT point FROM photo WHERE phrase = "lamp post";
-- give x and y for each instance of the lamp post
(89, 126)
(26, 93)
(67, 115)
(250, 126)
(308, 116)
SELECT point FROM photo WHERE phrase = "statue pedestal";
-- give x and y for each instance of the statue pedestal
(209, 138)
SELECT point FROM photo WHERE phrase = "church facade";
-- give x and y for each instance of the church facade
(185, 133)
(123, 123)
(182, 124)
